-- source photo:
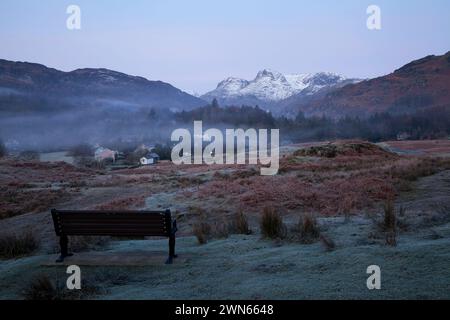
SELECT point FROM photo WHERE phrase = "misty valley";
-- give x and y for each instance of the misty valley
(286, 186)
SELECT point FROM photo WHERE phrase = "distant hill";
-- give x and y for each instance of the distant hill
(90, 87)
(420, 85)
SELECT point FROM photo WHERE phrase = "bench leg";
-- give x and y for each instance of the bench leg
(171, 249)
(64, 244)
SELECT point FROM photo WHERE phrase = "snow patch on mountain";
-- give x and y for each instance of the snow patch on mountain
(273, 86)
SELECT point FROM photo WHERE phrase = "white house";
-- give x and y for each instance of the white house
(149, 158)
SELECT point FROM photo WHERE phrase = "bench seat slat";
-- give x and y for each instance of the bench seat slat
(86, 231)
(127, 228)
(111, 214)
(112, 222)
(115, 227)
(117, 233)
(109, 217)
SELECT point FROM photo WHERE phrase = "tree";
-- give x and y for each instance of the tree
(300, 118)
(215, 103)
(2, 149)
(164, 151)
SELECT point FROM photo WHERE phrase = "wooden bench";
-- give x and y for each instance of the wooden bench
(113, 223)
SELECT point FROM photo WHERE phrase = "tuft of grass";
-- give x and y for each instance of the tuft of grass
(389, 224)
(202, 231)
(327, 242)
(308, 228)
(271, 224)
(13, 246)
(240, 223)
(391, 239)
(40, 288)
(389, 218)
(348, 203)
(221, 230)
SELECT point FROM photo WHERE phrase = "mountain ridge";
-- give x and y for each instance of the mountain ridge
(270, 87)
(95, 84)
(418, 85)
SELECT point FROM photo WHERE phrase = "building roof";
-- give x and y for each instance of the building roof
(151, 155)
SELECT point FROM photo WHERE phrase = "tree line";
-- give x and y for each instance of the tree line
(431, 123)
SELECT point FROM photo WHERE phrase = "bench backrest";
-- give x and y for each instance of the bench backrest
(112, 223)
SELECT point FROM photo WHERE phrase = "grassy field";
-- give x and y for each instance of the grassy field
(345, 187)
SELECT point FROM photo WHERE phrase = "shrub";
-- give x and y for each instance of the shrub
(81, 150)
(29, 155)
(272, 226)
(89, 162)
(12, 246)
(202, 231)
(40, 288)
(308, 229)
(133, 158)
(164, 151)
(240, 223)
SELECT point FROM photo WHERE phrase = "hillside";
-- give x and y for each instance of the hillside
(419, 85)
(92, 87)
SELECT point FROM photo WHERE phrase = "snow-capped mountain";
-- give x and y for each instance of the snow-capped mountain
(271, 86)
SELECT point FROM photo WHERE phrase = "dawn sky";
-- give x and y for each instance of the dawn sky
(195, 44)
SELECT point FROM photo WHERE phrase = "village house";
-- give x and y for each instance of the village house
(105, 154)
(149, 158)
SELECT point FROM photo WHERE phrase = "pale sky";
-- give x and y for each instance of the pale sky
(197, 43)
